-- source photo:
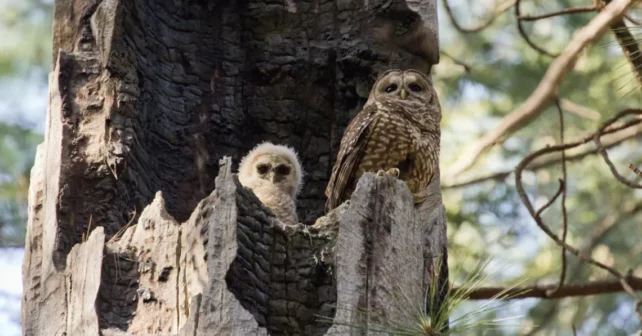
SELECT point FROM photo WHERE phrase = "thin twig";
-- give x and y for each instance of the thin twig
(551, 200)
(547, 88)
(579, 110)
(635, 169)
(538, 220)
(548, 160)
(564, 191)
(565, 11)
(122, 230)
(85, 235)
(466, 67)
(606, 225)
(481, 27)
(545, 292)
(522, 32)
(602, 150)
(624, 281)
(610, 222)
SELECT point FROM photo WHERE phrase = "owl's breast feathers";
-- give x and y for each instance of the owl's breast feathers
(385, 135)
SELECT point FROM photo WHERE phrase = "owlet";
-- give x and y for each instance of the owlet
(275, 175)
(397, 132)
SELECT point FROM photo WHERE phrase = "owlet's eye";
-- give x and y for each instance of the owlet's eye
(414, 87)
(391, 88)
(282, 170)
(262, 169)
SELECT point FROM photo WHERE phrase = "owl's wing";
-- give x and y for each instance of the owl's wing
(351, 150)
(424, 164)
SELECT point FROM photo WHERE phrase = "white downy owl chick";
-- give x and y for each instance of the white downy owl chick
(275, 175)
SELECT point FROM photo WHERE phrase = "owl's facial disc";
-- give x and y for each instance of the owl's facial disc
(274, 168)
(416, 87)
(390, 87)
(263, 168)
(283, 170)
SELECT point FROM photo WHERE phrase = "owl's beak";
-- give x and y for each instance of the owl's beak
(404, 94)
(274, 177)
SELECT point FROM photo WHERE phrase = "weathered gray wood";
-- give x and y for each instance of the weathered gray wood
(154, 246)
(82, 277)
(221, 312)
(385, 256)
(374, 247)
(146, 97)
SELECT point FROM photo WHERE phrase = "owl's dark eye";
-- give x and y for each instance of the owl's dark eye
(391, 88)
(282, 170)
(414, 87)
(262, 168)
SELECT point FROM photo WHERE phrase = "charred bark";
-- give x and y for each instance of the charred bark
(145, 98)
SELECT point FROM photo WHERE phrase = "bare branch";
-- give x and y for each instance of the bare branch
(635, 169)
(564, 190)
(604, 154)
(522, 32)
(610, 222)
(551, 200)
(545, 292)
(529, 205)
(606, 225)
(624, 281)
(466, 67)
(548, 160)
(547, 88)
(497, 12)
(565, 11)
(579, 110)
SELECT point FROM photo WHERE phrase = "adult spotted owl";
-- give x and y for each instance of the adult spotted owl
(397, 132)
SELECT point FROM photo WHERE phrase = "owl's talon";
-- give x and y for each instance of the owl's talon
(394, 172)
(418, 199)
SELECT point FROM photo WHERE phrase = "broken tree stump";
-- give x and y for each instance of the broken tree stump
(233, 269)
(129, 234)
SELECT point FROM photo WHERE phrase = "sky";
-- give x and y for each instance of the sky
(10, 290)
(23, 101)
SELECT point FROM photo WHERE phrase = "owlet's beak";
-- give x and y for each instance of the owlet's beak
(404, 94)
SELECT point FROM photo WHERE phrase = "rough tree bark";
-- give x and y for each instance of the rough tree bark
(146, 97)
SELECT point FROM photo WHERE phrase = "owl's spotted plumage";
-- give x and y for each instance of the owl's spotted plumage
(397, 128)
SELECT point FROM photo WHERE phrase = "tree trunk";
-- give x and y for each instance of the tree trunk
(146, 97)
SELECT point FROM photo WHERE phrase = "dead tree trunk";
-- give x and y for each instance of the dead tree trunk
(146, 97)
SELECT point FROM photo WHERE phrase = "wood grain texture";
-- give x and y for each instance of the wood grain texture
(147, 97)
(233, 269)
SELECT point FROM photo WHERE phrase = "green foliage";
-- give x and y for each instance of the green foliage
(17, 152)
(488, 220)
(26, 36)
(25, 45)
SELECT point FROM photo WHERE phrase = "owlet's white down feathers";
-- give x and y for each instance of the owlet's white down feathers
(275, 175)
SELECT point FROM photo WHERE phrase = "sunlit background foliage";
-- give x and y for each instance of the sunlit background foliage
(486, 220)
